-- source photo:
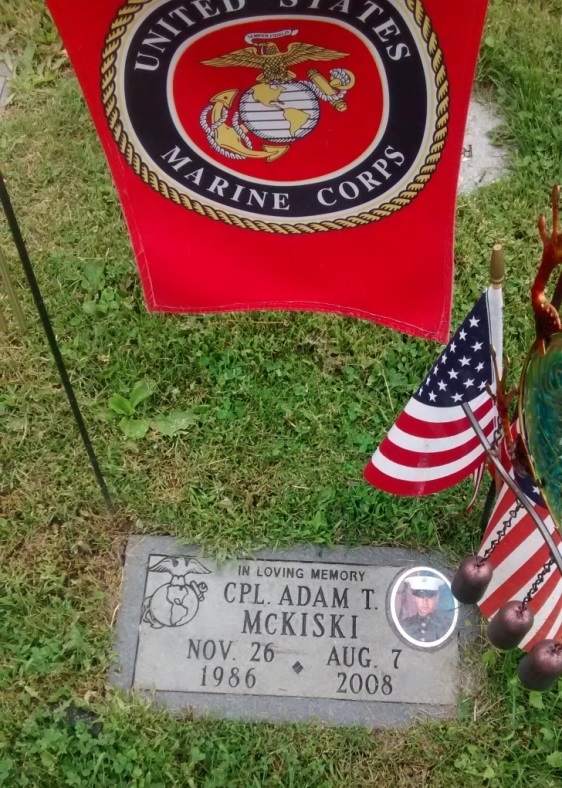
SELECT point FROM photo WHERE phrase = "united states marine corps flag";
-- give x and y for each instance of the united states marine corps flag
(288, 154)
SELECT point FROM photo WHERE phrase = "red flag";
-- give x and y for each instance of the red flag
(432, 446)
(294, 154)
(518, 558)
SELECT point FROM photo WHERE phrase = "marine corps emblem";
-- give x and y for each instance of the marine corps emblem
(301, 116)
(278, 108)
(175, 603)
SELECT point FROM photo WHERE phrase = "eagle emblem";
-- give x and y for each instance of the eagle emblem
(279, 108)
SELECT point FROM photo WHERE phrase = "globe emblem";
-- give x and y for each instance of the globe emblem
(280, 112)
(174, 604)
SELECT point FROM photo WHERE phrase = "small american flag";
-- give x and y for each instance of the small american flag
(432, 446)
(517, 560)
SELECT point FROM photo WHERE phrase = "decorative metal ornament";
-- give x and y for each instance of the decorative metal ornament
(472, 579)
(540, 668)
(510, 625)
(540, 408)
(540, 390)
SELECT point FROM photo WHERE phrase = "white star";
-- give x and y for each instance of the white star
(462, 334)
(468, 383)
(453, 347)
(477, 346)
(453, 374)
(474, 322)
(536, 490)
(442, 386)
(480, 367)
(443, 358)
(464, 361)
(432, 396)
(482, 386)
(457, 398)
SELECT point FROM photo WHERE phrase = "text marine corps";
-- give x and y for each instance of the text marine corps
(366, 182)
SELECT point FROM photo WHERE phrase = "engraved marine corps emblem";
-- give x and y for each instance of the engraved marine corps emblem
(291, 116)
(176, 602)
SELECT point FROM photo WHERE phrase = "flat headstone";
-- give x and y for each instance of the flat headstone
(347, 636)
(482, 162)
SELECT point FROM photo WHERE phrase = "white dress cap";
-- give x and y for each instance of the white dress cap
(424, 583)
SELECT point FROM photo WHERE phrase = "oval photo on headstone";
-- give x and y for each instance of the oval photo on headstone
(422, 607)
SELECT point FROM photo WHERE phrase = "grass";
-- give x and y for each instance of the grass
(280, 413)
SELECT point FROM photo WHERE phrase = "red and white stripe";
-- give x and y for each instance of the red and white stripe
(431, 448)
(517, 560)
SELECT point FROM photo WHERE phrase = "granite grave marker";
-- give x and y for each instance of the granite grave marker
(366, 635)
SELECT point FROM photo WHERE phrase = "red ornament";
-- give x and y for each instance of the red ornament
(540, 668)
(510, 625)
(472, 579)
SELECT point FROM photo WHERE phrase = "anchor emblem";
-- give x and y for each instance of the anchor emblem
(233, 139)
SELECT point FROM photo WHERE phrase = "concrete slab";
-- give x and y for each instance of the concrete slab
(346, 636)
(482, 163)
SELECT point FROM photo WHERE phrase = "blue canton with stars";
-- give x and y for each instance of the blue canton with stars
(530, 488)
(465, 366)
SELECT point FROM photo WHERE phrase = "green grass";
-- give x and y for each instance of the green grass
(282, 412)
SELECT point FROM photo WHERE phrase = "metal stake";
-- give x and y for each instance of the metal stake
(488, 506)
(52, 340)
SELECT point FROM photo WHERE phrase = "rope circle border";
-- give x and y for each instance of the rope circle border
(119, 26)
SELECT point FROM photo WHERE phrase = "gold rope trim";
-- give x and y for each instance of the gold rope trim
(119, 26)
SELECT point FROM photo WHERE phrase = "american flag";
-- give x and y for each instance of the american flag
(432, 446)
(517, 560)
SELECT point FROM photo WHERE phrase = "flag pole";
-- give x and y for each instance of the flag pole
(497, 278)
(52, 340)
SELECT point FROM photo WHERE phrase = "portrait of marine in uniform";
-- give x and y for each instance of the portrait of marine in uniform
(423, 607)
